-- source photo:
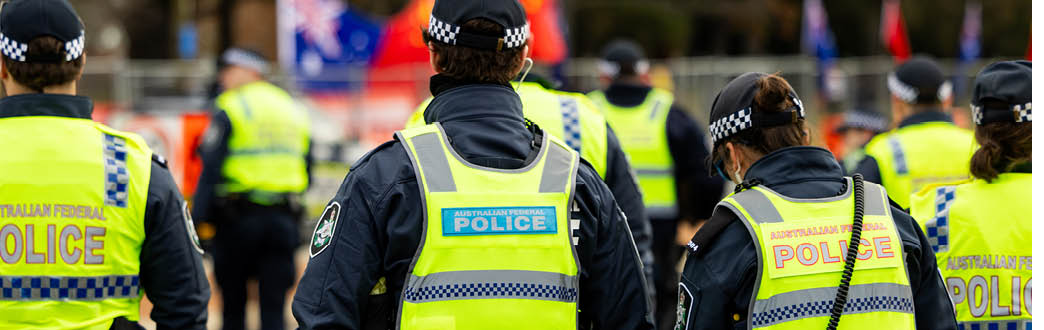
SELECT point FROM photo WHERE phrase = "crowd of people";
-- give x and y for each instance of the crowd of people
(505, 203)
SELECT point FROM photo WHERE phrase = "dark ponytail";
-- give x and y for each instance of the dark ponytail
(1003, 146)
(772, 96)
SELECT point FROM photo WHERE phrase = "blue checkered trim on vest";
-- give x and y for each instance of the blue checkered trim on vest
(998, 325)
(898, 156)
(570, 122)
(489, 290)
(822, 308)
(116, 176)
(68, 288)
(938, 228)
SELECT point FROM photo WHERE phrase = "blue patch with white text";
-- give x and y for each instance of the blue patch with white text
(499, 220)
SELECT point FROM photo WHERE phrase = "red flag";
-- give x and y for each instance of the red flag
(893, 31)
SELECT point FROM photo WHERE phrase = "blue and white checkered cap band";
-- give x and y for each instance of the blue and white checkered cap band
(731, 124)
(1021, 113)
(909, 94)
(447, 33)
(442, 31)
(74, 48)
(516, 37)
(239, 57)
(901, 90)
(15, 50)
(743, 119)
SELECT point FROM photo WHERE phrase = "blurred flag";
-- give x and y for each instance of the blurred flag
(546, 23)
(893, 31)
(971, 31)
(818, 40)
(401, 42)
(970, 46)
(324, 43)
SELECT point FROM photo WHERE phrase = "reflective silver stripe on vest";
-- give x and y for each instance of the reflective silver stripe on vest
(557, 169)
(761, 209)
(758, 206)
(997, 325)
(433, 162)
(898, 156)
(809, 303)
(491, 284)
(68, 287)
(875, 200)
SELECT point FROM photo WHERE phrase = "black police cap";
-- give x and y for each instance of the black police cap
(1008, 83)
(623, 51)
(448, 16)
(21, 21)
(733, 109)
(919, 81)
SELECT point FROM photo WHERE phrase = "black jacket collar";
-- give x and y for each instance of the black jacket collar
(457, 99)
(926, 116)
(795, 165)
(626, 94)
(484, 121)
(57, 105)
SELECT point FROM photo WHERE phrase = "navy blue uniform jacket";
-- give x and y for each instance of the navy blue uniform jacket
(172, 274)
(721, 278)
(380, 225)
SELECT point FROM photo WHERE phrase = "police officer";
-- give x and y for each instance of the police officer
(926, 147)
(777, 254)
(256, 160)
(856, 129)
(479, 220)
(667, 150)
(989, 215)
(90, 219)
(581, 125)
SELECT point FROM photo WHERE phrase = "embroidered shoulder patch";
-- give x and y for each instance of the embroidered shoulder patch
(684, 307)
(324, 229)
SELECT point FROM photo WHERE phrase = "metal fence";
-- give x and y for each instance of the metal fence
(857, 83)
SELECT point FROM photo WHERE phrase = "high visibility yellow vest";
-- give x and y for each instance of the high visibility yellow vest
(981, 236)
(268, 143)
(642, 131)
(496, 252)
(801, 252)
(571, 117)
(918, 155)
(72, 206)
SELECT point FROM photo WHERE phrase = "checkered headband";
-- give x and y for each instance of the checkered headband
(445, 32)
(746, 118)
(1019, 113)
(17, 51)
